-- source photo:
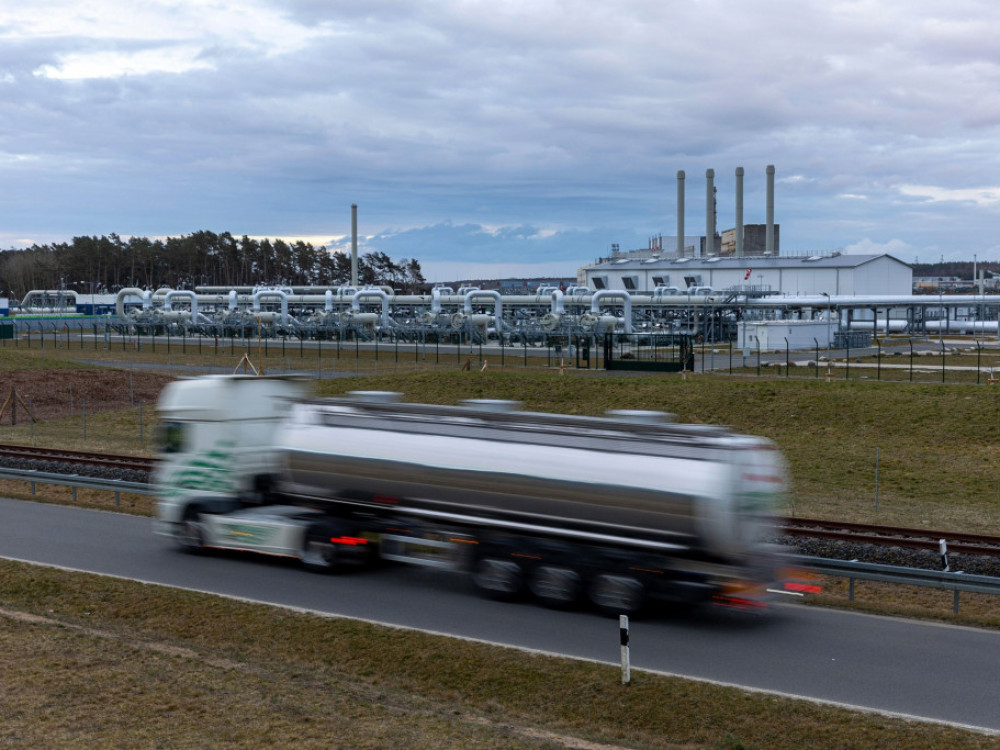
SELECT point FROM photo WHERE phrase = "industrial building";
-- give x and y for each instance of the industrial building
(834, 274)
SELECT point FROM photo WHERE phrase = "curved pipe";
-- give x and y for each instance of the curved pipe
(183, 293)
(145, 296)
(497, 303)
(356, 302)
(328, 301)
(272, 293)
(65, 295)
(625, 297)
(232, 300)
(557, 302)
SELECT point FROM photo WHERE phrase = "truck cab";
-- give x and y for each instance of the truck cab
(216, 440)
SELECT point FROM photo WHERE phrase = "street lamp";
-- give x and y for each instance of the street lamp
(829, 317)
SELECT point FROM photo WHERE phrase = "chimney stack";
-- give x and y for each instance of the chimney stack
(739, 212)
(709, 212)
(680, 213)
(354, 245)
(769, 232)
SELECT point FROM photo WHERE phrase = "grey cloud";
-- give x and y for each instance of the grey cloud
(560, 117)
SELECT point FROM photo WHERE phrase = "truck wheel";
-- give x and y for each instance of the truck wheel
(190, 537)
(499, 579)
(555, 587)
(318, 555)
(617, 595)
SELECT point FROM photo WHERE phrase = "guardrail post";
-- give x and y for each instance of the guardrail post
(850, 589)
(955, 605)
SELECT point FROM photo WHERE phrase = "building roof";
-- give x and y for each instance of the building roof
(782, 262)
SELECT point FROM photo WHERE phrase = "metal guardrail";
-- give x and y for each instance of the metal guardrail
(77, 481)
(937, 579)
(851, 569)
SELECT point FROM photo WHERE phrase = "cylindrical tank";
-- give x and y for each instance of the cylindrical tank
(689, 489)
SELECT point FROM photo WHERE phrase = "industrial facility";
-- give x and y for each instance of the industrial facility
(717, 287)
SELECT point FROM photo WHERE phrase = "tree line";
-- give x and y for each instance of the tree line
(108, 263)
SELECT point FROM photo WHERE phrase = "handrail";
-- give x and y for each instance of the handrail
(937, 579)
(77, 481)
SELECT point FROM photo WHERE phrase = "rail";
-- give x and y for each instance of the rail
(896, 536)
(34, 453)
(937, 579)
(76, 481)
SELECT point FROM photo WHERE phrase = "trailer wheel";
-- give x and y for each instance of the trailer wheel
(617, 595)
(554, 586)
(498, 579)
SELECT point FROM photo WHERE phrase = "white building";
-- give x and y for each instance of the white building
(811, 275)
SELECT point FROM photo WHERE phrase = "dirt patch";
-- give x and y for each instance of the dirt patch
(51, 394)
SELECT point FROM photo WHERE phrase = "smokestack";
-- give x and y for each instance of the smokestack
(709, 212)
(769, 233)
(739, 212)
(680, 213)
(354, 245)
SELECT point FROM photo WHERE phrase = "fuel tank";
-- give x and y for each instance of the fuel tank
(626, 478)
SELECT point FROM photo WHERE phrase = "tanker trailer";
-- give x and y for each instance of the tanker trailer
(613, 509)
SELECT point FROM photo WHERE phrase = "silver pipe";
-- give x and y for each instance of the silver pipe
(625, 297)
(354, 244)
(356, 302)
(739, 212)
(680, 213)
(709, 213)
(769, 232)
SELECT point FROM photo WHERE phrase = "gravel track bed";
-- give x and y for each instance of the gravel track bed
(83, 470)
(907, 558)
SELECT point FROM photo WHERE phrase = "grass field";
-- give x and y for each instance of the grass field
(93, 661)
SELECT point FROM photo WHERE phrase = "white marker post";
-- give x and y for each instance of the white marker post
(944, 556)
(623, 636)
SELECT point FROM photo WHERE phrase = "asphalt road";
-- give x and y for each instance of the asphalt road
(928, 671)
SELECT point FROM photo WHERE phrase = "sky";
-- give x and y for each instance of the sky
(501, 138)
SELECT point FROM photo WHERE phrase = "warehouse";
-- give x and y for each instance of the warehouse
(835, 274)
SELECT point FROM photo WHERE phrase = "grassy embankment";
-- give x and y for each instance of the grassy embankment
(117, 663)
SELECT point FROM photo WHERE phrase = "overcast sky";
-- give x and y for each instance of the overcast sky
(502, 137)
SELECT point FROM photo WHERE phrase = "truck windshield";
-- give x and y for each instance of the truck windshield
(170, 437)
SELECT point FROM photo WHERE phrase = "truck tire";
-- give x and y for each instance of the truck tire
(318, 554)
(190, 536)
(555, 586)
(617, 595)
(498, 579)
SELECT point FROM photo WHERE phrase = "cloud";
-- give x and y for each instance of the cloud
(978, 196)
(472, 132)
(895, 247)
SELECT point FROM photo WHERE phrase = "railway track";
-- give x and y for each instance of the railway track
(101, 460)
(891, 536)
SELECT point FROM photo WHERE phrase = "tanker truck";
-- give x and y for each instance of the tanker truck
(616, 509)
